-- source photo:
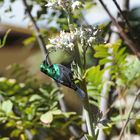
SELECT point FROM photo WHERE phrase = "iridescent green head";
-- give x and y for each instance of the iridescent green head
(52, 70)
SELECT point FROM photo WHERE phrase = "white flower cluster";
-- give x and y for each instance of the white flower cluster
(64, 41)
(88, 35)
(65, 4)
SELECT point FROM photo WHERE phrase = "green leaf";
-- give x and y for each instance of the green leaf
(101, 54)
(30, 111)
(2, 42)
(107, 129)
(5, 138)
(62, 20)
(116, 119)
(11, 123)
(3, 119)
(122, 60)
(89, 5)
(101, 48)
(137, 126)
(56, 112)
(15, 133)
(47, 118)
(132, 69)
(104, 61)
(44, 92)
(7, 106)
(94, 75)
(35, 97)
(29, 40)
(68, 114)
(116, 46)
(88, 137)
(120, 53)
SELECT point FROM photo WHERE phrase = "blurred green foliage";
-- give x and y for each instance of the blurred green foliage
(27, 108)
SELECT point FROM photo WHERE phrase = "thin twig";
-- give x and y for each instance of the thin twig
(126, 5)
(109, 108)
(36, 29)
(86, 106)
(129, 114)
(125, 18)
(130, 44)
(87, 112)
(122, 13)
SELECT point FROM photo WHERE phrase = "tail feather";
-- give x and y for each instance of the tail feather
(80, 92)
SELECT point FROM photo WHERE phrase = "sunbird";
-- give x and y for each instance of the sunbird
(61, 74)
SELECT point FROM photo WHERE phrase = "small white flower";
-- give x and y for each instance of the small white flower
(22, 85)
(90, 40)
(12, 81)
(94, 33)
(2, 79)
(50, 4)
(82, 34)
(76, 32)
(76, 5)
(71, 46)
(49, 46)
(60, 2)
(53, 41)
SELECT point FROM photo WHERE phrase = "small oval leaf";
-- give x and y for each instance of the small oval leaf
(7, 106)
(47, 118)
(56, 112)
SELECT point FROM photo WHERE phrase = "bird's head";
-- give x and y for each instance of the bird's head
(50, 70)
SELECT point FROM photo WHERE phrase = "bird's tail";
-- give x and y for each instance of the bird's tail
(80, 92)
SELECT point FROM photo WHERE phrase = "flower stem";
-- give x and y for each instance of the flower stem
(87, 112)
(86, 106)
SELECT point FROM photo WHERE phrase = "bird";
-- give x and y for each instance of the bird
(61, 74)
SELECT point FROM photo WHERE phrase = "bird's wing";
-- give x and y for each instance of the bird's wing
(66, 76)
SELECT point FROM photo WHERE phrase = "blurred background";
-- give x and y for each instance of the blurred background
(21, 52)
